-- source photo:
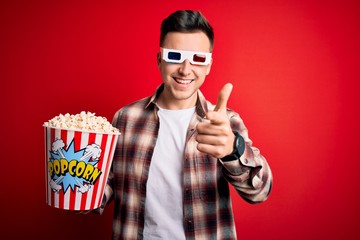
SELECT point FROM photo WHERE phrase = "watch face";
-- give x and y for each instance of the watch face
(240, 145)
(239, 148)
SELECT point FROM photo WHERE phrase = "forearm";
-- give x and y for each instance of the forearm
(250, 174)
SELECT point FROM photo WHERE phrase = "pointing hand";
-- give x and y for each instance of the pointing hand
(215, 137)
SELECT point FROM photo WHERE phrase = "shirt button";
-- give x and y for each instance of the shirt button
(187, 192)
(190, 225)
(246, 161)
(203, 195)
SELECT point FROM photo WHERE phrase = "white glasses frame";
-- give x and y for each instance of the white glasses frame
(184, 54)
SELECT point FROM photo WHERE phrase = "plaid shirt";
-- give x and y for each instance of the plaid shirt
(207, 209)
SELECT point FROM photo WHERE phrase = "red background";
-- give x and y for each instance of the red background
(294, 66)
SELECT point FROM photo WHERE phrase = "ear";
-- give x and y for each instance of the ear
(158, 59)
(209, 67)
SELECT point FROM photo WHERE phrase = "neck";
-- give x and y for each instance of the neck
(176, 104)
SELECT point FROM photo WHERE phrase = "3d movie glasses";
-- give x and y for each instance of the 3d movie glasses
(179, 56)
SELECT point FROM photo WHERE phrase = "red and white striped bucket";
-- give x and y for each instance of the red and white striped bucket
(77, 165)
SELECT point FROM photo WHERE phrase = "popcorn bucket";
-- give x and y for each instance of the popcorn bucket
(77, 165)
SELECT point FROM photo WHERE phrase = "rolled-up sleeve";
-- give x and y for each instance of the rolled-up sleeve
(250, 175)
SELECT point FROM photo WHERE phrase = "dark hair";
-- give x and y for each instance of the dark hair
(186, 21)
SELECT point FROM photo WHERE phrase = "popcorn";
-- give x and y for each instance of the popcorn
(83, 121)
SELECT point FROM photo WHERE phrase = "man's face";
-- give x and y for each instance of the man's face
(182, 80)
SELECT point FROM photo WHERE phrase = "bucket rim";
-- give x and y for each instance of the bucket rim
(81, 130)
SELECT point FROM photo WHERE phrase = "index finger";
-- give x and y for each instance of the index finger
(223, 97)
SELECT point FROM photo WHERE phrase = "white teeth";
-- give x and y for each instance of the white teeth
(183, 81)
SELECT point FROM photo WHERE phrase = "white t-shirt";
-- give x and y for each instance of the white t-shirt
(164, 194)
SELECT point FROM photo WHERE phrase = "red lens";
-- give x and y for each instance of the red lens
(199, 58)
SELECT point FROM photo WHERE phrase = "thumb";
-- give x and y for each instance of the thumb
(223, 97)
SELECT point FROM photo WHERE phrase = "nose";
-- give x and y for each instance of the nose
(185, 68)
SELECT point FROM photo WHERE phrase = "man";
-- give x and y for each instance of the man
(177, 152)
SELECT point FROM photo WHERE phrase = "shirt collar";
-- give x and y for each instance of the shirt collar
(201, 105)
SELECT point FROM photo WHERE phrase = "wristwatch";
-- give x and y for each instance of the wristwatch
(239, 148)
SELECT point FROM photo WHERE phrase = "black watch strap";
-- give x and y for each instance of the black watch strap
(239, 148)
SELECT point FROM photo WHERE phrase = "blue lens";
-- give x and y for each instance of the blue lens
(174, 55)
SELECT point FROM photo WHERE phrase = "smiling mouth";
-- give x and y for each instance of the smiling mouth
(183, 81)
